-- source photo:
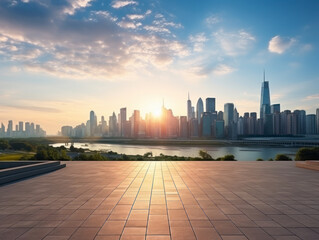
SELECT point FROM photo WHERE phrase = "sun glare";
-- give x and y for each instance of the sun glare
(157, 113)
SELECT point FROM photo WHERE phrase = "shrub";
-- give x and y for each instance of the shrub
(22, 146)
(4, 145)
(229, 157)
(204, 155)
(282, 157)
(259, 159)
(270, 159)
(148, 154)
(51, 153)
(90, 157)
(307, 154)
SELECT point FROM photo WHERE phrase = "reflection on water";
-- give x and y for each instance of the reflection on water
(240, 153)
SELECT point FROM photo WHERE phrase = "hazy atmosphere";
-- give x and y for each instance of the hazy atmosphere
(61, 59)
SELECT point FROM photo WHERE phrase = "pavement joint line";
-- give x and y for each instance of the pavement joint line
(197, 200)
(149, 165)
(181, 199)
(169, 226)
(118, 200)
(149, 206)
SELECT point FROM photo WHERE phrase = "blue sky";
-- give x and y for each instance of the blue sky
(61, 58)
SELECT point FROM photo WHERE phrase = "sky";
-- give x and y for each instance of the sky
(59, 59)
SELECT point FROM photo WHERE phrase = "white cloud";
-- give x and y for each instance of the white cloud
(312, 97)
(76, 4)
(280, 44)
(234, 43)
(157, 29)
(306, 47)
(125, 24)
(212, 20)
(120, 4)
(198, 41)
(135, 16)
(95, 47)
(223, 69)
(104, 14)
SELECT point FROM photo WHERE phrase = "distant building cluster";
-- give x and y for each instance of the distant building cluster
(21, 130)
(202, 123)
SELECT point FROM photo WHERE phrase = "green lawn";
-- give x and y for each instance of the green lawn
(14, 156)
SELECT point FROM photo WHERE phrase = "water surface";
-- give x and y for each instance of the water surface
(241, 153)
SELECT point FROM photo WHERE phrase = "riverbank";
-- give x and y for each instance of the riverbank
(299, 141)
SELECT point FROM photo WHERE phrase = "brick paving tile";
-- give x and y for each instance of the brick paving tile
(158, 225)
(237, 237)
(134, 231)
(132, 237)
(226, 228)
(70, 224)
(182, 233)
(35, 233)
(158, 237)
(136, 223)
(206, 234)
(287, 238)
(267, 224)
(164, 200)
(94, 221)
(255, 234)
(56, 238)
(12, 233)
(277, 231)
(110, 237)
(112, 228)
(84, 233)
(305, 233)
(175, 215)
(242, 221)
(201, 223)
(179, 224)
(60, 231)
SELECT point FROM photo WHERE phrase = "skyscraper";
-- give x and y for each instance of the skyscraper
(210, 105)
(311, 124)
(122, 121)
(207, 124)
(199, 109)
(20, 127)
(10, 128)
(275, 108)
(189, 109)
(264, 99)
(229, 118)
(228, 114)
(92, 123)
(317, 120)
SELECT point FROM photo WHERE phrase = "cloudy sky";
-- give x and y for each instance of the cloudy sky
(61, 58)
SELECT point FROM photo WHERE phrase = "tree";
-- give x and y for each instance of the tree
(307, 154)
(229, 157)
(204, 155)
(148, 154)
(282, 157)
(4, 145)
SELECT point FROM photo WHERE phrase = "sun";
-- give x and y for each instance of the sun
(157, 113)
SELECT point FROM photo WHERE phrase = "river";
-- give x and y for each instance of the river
(241, 153)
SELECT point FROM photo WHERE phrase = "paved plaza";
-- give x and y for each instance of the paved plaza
(164, 200)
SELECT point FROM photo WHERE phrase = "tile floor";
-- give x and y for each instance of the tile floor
(164, 201)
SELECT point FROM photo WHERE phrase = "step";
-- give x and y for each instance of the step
(28, 167)
(307, 165)
(18, 173)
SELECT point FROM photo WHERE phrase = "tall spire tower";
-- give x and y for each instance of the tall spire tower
(265, 98)
(189, 108)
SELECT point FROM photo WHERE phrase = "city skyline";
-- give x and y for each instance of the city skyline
(60, 61)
